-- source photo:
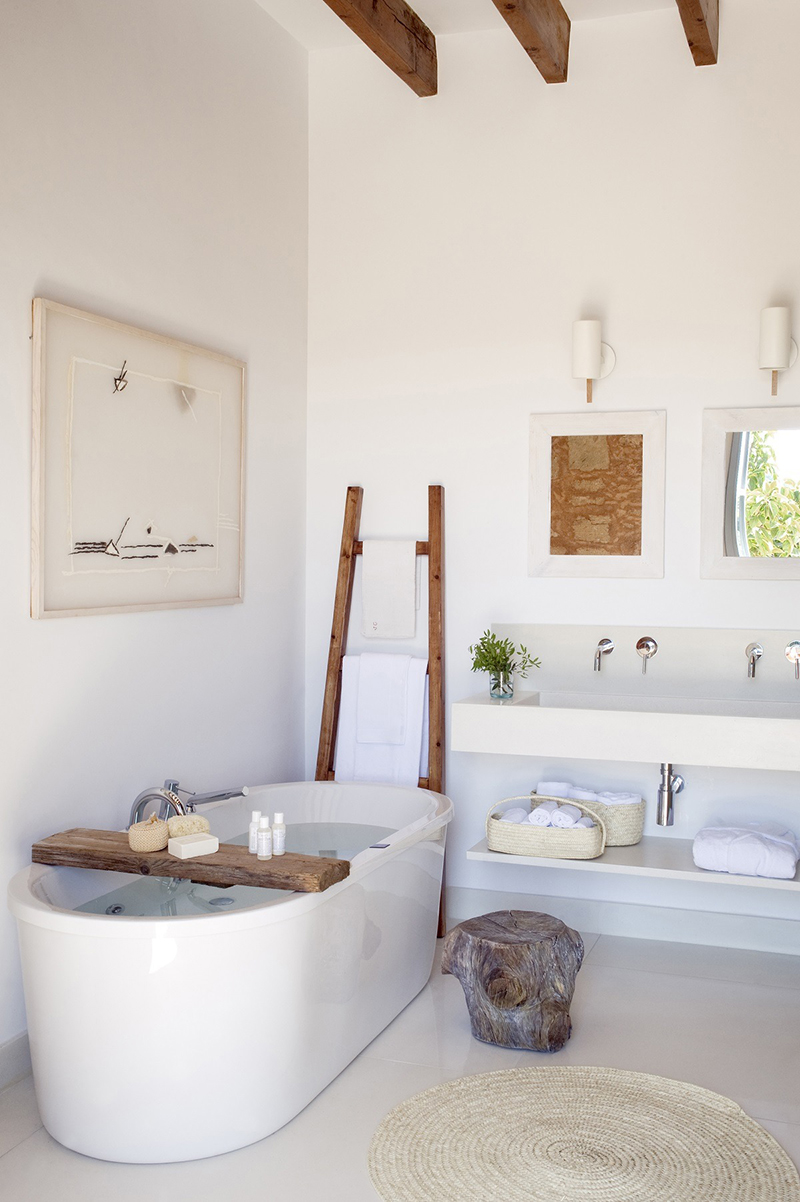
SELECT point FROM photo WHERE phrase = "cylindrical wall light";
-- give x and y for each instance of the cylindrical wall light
(592, 359)
(778, 349)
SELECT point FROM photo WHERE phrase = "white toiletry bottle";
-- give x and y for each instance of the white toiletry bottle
(278, 836)
(264, 838)
(252, 832)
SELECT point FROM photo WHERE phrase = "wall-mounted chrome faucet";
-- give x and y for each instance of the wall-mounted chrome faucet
(753, 651)
(792, 653)
(604, 647)
(169, 799)
(647, 647)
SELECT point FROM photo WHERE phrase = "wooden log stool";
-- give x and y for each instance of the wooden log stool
(517, 969)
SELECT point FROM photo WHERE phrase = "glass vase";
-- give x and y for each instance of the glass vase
(501, 686)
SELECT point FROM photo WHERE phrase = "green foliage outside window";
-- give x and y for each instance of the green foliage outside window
(772, 504)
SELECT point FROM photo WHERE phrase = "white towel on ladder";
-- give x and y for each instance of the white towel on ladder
(383, 763)
(389, 589)
(382, 695)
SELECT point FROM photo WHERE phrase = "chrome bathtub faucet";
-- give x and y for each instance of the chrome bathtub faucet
(169, 798)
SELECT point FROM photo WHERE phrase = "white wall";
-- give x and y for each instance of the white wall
(453, 241)
(154, 169)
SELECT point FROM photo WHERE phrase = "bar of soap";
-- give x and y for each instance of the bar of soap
(187, 847)
(187, 824)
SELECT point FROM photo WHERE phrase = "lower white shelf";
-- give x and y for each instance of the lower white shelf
(653, 857)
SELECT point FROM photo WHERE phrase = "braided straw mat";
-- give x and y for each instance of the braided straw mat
(576, 1135)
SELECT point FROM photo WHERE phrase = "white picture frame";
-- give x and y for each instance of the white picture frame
(718, 426)
(137, 471)
(546, 426)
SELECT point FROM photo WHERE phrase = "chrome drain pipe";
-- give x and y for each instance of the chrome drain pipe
(671, 784)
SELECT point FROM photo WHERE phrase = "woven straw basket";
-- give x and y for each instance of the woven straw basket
(552, 842)
(624, 824)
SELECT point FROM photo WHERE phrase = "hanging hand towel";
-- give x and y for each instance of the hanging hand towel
(382, 763)
(388, 589)
(381, 706)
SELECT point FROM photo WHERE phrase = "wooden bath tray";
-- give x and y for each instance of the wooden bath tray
(231, 865)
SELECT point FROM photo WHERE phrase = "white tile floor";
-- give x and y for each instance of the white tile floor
(727, 1020)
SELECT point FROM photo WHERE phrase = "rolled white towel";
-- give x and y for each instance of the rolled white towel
(578, 793)
(566, 816)
(515, 815)
(620, 799)
(585, 821)
(756, 849)
(553, 788)
(541, 814)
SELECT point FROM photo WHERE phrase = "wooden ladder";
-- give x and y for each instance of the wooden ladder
(350, 548)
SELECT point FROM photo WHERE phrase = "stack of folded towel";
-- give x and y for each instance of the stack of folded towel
(562, 788)
(756, 849)
(548, 813)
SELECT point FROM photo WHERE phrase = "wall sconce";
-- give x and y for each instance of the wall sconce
(592, 359)
(778, 348)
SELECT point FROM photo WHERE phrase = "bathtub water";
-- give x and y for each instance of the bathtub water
(272, 993)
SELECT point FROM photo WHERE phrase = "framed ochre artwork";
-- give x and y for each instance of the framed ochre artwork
(137, 469)
(597, 494)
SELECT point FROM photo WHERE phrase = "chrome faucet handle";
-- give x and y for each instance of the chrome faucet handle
(753, 651)
(792, 653)
(647, 647)
(604, 647)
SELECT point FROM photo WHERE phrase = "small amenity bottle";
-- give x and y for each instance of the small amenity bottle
(278, 836)
(264, 838)
(252, 832)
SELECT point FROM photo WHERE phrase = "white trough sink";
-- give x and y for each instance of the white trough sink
(653, 730)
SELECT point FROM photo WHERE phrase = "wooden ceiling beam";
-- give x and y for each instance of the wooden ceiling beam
(701, 23)
(397, 35)
(543, 28)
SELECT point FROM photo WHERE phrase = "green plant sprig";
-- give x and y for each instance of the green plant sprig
(494, 655)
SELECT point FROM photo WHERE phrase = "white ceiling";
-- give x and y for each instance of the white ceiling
(313, 24)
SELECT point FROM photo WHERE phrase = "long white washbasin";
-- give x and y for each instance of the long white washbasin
(596, 726)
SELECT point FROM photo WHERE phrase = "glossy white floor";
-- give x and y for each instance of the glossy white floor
(727, 1020)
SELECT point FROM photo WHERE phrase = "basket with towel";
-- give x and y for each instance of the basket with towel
(622, 813)
(546, 826)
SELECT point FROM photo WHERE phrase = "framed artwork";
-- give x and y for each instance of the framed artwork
(596, 503)
(138, 447)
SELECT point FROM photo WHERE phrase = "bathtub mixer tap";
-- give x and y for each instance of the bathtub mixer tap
(169, 799)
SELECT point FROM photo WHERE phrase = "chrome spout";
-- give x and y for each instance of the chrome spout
(753, 651)
(196, 799)
(604, 647)
(168, 800)
(671, 784)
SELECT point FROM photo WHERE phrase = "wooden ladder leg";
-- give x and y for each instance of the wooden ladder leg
(341, 618)
(436, 653)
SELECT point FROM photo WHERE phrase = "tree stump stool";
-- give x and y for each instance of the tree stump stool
(517, 969)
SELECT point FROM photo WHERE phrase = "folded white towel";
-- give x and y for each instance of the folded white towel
(383, 763)
(566, 816)
(585, 821)
(388, 589)
(756, 849)
(553, 788)
(579, 793)
(381, 705)
(620, 799)
(541, 814)
(515, 815)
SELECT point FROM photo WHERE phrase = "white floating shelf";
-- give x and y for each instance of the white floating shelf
(655, 856)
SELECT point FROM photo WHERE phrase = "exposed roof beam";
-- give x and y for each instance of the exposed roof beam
(543, 28)
(397, 35)
(701, 22)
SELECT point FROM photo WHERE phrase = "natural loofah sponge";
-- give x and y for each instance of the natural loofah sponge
(187, 824)
(151, 835)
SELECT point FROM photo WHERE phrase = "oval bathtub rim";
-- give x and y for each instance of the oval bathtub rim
(26, 907)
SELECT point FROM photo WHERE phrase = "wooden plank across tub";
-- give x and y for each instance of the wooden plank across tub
(231, 865)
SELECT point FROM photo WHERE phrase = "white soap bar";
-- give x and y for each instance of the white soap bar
(186, 847)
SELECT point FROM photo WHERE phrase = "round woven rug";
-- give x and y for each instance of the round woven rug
(576, 1135)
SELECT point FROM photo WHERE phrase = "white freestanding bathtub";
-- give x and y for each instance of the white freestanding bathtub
(238, 1005)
